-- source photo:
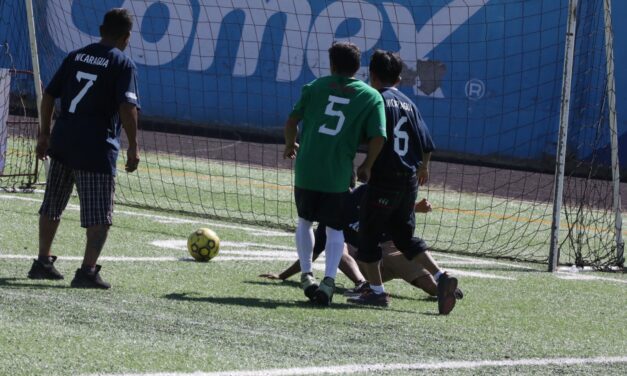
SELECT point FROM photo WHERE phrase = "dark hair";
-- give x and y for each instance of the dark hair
(116, 23)
(387, 66)
(345, 57)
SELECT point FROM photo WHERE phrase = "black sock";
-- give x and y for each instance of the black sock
(44, 259)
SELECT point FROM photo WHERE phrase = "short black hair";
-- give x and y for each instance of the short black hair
(387, 66)
(345, 57)
(117, 23)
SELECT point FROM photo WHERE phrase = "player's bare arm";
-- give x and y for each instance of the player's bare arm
(290, 132)
(375, 145)
(129, 117)
(423, 170)
(43, 139)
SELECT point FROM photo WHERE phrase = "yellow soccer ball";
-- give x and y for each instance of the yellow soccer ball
(203, 244)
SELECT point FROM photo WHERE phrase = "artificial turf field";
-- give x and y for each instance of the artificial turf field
(168, 315)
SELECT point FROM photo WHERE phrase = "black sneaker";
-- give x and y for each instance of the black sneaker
(357, 290)
(324, 294)
(87, 280)
(459, 295)
(44, 270)
(446, 293)
(309, 285)
(371, 298)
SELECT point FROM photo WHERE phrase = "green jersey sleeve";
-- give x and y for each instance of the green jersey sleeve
(299, 108)
(375, 125)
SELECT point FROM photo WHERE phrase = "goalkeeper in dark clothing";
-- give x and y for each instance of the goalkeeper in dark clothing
(388, 204)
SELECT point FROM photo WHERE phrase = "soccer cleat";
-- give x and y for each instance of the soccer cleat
(357, 290)
(87, 280)
(324, 293)
(43, 270)
(459, 295)
(447, 287)
(371, 298)
(309, 285)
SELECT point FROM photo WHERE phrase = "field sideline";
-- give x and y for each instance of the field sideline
(166, 315)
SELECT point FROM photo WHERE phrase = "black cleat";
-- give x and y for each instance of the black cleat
(459, 295)
(44, 270)
(358, 290)
(324, 293)
(371, 298)
(447, 287)
(309, 285)
(86, 280)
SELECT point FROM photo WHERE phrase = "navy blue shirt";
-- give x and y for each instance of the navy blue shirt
(408, 138)
(92, 82)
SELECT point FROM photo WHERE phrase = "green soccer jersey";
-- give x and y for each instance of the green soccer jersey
(337, 113)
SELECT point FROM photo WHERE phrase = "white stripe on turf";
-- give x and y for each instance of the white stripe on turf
(167, 219)
(181, 244)
(586, 277)
(361, 368)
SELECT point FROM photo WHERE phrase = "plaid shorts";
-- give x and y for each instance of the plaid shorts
(95, 192)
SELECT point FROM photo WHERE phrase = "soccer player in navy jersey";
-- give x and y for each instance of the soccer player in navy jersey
(97, 86)
(388, 204)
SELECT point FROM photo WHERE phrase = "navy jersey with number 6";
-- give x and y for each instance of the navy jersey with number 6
(408, 138)
(92, 82)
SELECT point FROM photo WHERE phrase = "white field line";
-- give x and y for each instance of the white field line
(168, 219)
(585, 277)
(466, 273)
(248, 257)
(181, 244)
(360, 368)
(487, 262)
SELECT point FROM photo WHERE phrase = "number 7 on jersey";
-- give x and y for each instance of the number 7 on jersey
(90, 82)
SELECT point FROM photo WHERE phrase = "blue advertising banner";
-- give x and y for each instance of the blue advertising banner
(486, 74)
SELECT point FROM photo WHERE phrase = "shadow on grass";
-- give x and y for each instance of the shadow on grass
(339, 291)
(19, 283)
(267, 303)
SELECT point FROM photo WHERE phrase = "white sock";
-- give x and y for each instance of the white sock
(334, 249)
(304, 244)
(437, 275)
(378, 289)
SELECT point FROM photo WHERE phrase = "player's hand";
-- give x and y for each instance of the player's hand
(423, 175)
(363, 173)
(423, 206)
(132, 159)
(270, 276)
(42, 146)
(291, 151)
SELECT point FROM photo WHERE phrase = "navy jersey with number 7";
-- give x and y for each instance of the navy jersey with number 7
(92, 82)
(408, 138)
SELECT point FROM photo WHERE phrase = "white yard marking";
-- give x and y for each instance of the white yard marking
(476, 260)
(249, 257)
(181, 244)
(361, 368)
(168, 219)
(586, 277)
(456, 272)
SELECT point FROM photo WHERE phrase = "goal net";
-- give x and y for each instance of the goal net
(218, 78)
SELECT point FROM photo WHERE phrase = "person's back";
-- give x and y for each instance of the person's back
(90, 84)
(338, 114)
(409, 141)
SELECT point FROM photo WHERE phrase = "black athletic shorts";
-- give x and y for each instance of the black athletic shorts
(388, 209)
(322, 207)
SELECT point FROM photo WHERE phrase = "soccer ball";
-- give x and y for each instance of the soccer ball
(203, 244)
